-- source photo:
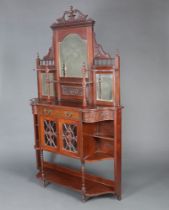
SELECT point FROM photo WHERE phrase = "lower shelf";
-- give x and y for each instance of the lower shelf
(73, 179)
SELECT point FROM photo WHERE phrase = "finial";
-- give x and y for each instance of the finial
(37, 54)
(117, 52)
(117, 60)
(84, 68)
(64, 69)
(84, 84)
(37, 60)
(71, 8)
(71, 13)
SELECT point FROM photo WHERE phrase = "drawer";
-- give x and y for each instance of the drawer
(60, 113)
(97, 115)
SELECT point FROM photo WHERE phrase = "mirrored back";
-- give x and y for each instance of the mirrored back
(72, 55)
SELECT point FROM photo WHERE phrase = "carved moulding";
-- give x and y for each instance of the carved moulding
(91, 116)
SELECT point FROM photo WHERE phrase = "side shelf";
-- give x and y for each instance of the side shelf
(100, 136)
(98, 141)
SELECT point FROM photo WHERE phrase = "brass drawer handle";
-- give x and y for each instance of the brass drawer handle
(47, 111)
(68, 114)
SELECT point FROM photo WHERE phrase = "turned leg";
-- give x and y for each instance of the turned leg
(36, 136)
(45, 183)
(118, 197)
(84, 198)
(83, 190)
(117, 154)
(42, 169)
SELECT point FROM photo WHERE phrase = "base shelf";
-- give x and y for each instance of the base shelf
(71, 178)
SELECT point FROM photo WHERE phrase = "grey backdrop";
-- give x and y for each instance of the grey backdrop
(140, 30)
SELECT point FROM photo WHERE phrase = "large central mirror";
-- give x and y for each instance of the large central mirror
(73, 54)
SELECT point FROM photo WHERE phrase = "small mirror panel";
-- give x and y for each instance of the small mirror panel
(46, 88)
(104, 87)
(73, 53)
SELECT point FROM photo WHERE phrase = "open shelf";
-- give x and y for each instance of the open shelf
(97, 156)
(100, 136)
(71, 178)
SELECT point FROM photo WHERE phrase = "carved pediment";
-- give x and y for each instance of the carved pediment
(72, 16)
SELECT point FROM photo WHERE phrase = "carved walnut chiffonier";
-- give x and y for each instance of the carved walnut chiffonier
(78, 112)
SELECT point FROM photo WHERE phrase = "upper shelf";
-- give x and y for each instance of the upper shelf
(73, 105)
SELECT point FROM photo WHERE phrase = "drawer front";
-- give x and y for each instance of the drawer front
(59, 113)
(97, 115)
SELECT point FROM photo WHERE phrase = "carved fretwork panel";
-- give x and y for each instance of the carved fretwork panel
(72, 91)
(69, 137)
(50, 133)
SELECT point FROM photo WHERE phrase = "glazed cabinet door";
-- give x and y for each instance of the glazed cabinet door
(49, 135)
(69, 137)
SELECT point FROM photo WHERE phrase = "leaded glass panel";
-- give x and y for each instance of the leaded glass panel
(50, 133)
(69, 137)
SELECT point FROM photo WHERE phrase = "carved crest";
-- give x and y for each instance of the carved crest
(72, 16)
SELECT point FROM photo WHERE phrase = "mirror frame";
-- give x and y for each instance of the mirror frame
(40, 84)
(86, 32)
(101, 72)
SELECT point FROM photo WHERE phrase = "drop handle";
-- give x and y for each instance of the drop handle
(47, 111)
(68, 114)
